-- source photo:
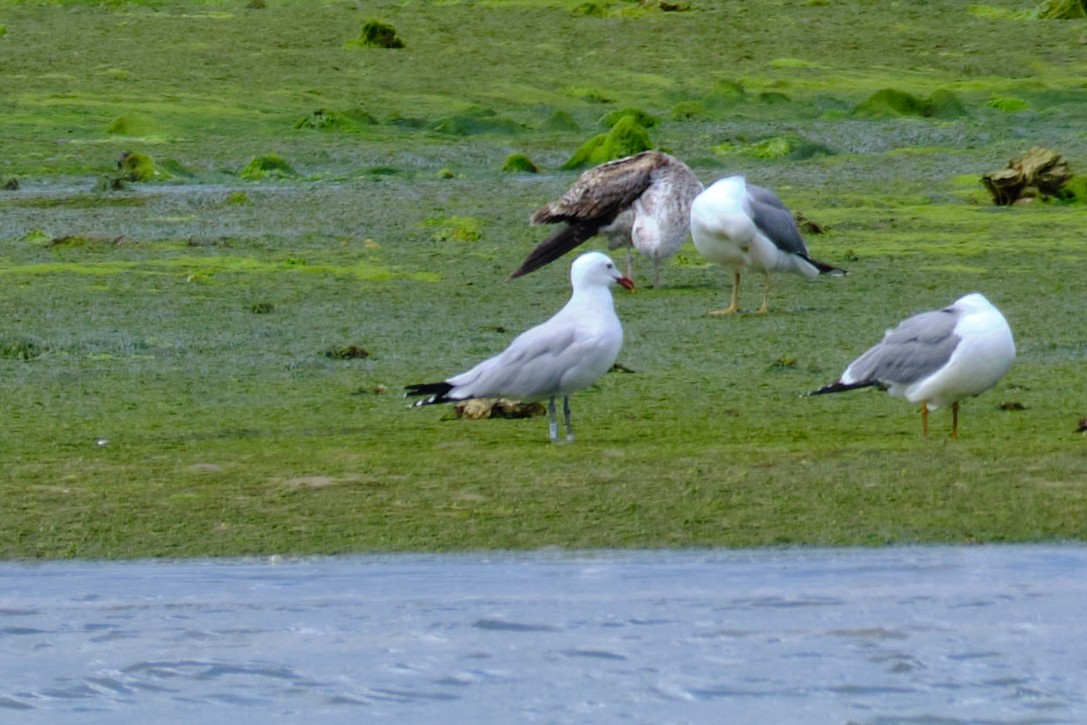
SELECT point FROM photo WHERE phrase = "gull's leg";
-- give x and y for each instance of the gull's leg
(732, 308)
(955, 419)
(924, 420)
(630, 261)
(765, 295)
(656, 273)
(566, 414)
(552, 422)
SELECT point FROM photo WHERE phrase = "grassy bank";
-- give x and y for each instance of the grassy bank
(168, 357)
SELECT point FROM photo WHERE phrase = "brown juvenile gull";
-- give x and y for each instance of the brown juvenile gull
(639, 202)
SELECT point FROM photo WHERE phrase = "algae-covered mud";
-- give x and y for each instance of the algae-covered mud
(231, 232)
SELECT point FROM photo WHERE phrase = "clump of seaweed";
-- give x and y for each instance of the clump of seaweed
(10, 184)
(625, 138)
(136, 166)
(261, 167)
(560, 120)
(1061, 10)
(892, 102)
(792, 147)
(519, 164)
(347, 352)
(475, 121)
(376, 34)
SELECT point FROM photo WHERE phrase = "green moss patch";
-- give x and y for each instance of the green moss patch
(520, 164)
(269, 165)
(892, 103)
(376, 34)
(626, 137)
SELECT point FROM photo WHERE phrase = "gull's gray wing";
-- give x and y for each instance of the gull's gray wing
(774, 220)
(532, 366)
(917, 348)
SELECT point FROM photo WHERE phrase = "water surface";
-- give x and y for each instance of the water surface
(899, 635)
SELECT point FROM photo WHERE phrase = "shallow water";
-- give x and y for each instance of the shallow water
(897, 635)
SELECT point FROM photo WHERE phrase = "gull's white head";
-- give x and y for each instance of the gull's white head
(973, 302)
(596, 268)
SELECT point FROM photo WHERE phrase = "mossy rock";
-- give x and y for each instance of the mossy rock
(131, 125)
(644, 119)
(945, 104)
(1062, 10)
(135, 166)
(560, 120)
(476, 122)
(889, 103)
(376, 34)
(626, 137)
(795, 148)
(262, 167)
(10, 184)
(520, 164)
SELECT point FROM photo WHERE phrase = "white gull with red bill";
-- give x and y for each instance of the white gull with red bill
(568, 353)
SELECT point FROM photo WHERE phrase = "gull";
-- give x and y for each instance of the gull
(569, 352)
(639, 202)
(742, 226)
(937, 357)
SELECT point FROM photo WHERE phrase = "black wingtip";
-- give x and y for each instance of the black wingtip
(436, 391)
(825, 268)
(840, 387)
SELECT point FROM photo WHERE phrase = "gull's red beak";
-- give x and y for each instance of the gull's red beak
(626, 282)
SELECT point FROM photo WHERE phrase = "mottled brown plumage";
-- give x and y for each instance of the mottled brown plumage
(640, 201)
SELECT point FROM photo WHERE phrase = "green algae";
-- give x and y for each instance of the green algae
(625, 138)
(376, 34)
(520, 164)
(268, 165)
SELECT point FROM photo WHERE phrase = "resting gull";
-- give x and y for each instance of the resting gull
(567, 353)
(742, 226)
(641, 202)
(938, 357)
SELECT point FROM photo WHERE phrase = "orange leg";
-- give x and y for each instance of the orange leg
(735, 306)
(765, 295)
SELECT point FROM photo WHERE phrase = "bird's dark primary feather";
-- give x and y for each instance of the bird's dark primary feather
(592, 203)
(840, 387)
(436, 391)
